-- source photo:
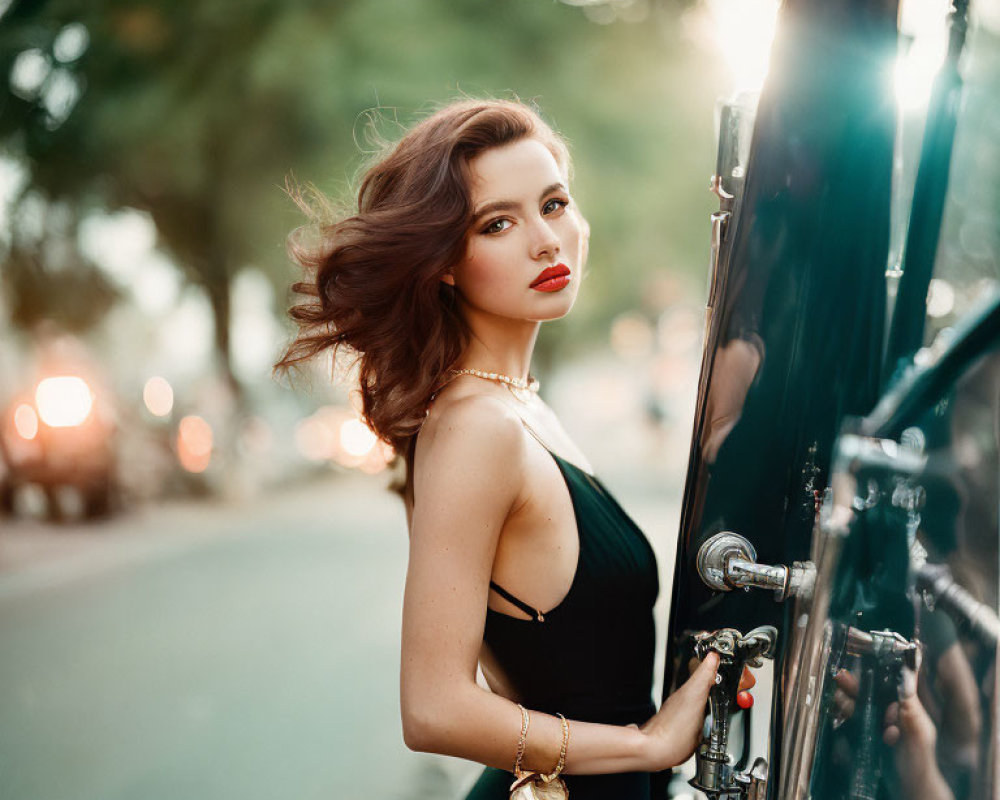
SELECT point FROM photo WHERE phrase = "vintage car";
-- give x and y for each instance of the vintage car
(839, 530)
(58, 438)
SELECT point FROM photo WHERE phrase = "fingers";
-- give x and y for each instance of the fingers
(844, 703)
(915, 724)
(891, 732)
(909, 684)
(847, 682)
(891, 735)
(703, 678)
(747, 679)
(694, 663)
(844, 696)
(676, 727)
(908, 720)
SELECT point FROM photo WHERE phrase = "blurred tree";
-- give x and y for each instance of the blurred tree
(196, 111)
(45, 280)
(45, 275)
(970, 234)
(151, 110)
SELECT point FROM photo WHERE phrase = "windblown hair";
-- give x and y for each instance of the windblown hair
(373, 281)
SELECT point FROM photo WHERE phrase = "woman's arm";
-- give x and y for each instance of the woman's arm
(470, 481)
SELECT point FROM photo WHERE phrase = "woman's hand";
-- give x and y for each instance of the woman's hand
(844, 696)
(907, 728)
(673, 733)
(910, 730)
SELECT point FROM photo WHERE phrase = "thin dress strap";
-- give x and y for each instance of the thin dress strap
(555, 455)
(532, 432)
(538, 615)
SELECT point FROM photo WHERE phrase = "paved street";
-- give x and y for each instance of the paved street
(208, 653)
(219, 651)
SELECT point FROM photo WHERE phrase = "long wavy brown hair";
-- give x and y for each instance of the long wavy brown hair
(373, 279)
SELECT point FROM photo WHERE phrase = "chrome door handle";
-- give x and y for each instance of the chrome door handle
(728, 561)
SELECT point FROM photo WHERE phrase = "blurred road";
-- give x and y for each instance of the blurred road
(220, 651)
(209, 652)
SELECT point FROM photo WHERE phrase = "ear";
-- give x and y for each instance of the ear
(448, 278)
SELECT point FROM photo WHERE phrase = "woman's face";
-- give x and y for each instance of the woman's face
(524, 224)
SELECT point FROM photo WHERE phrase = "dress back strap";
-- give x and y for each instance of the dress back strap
(533, 612)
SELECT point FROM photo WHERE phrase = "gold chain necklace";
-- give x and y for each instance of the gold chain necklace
(530, 385)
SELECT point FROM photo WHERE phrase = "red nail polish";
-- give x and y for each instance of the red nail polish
(744, 699)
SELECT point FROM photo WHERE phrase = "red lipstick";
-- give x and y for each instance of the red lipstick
(551, 279)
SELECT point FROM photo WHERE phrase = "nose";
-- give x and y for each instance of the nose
(544, 241)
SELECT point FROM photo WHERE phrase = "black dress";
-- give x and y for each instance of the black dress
(591, 657)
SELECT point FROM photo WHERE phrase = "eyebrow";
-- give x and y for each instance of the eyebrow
(509, 205)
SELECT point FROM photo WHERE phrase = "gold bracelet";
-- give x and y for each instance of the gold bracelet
(562, 752)
(525, 720)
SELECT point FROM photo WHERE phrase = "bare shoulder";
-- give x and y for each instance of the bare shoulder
(469, 413)
(470, 442)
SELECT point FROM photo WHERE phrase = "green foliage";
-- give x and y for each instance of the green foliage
(970, 233)
(197, 111)
(78, 296)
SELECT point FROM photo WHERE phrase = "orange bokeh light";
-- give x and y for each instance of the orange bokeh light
(194, 443)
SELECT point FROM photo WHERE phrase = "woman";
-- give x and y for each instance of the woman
(466, 239)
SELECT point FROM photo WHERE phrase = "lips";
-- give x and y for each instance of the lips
(551, 278)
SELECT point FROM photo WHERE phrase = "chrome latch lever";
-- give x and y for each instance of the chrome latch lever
(714, 775)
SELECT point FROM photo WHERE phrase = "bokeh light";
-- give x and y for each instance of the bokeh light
(940, 298)
(194, 443)
(743, 31)
(378, 458)
(922, 24)
(28, 73)
(26, 421)
(158, 395)
(631, 336)
(314, 439)
(71, 43)
(356, 438)
(335, 433)
(64, 401)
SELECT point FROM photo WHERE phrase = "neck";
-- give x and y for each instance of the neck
(500, 345)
